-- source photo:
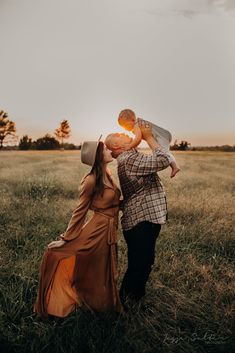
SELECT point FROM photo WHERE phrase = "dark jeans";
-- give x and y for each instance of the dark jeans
(141, 241)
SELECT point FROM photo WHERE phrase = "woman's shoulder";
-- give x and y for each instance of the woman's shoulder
(88, 181)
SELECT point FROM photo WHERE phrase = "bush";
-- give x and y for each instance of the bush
(47, 142)
(25, 143)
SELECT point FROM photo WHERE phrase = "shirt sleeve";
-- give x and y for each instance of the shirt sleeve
(143, 164)
(79, 214)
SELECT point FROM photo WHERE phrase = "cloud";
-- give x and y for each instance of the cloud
(193, 8)
(188, 13)
(227, 5)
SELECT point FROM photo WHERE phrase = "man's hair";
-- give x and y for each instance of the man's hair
(107, 141)
(111, 146)
(126, 115)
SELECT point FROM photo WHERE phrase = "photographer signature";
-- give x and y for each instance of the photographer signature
(208, 338)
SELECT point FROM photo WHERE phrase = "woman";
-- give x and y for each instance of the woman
(80, 269)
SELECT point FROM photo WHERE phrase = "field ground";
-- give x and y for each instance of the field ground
(191, 292)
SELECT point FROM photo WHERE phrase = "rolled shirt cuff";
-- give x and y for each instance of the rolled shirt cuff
(170, 157)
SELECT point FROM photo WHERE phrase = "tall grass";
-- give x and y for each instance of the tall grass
(190, 302)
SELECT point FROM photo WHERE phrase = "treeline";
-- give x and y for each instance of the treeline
(186, 146)
(46, 142)
(50, 142)
(223, 148)
(182, 146)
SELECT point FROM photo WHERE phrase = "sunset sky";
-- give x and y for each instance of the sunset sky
(171, 61)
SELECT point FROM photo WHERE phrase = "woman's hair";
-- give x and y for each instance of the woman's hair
(98, 170)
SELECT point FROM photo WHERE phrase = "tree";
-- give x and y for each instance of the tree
(63, 132)
(25, 143)
(47, 142)
(7, 127)
(182, 146)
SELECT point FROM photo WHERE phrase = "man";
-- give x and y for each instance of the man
(144, 207)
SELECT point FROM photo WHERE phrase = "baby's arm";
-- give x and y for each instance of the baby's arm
(137, 139)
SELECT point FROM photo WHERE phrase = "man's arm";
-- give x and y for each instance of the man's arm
(143, 164)
(136, 140)
(148, 136)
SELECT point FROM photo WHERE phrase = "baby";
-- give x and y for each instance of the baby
(127, 119)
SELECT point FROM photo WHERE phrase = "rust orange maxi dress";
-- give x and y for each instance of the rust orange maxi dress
(83, 271)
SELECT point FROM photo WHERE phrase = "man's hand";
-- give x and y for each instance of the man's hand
(145, 130)
(56, 244)
(147, 135)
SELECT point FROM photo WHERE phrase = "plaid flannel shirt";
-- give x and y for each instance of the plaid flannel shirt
(143, 192)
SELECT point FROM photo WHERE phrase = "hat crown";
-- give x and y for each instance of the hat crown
(88, 152)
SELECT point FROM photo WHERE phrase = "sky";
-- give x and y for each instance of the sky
(170, 61)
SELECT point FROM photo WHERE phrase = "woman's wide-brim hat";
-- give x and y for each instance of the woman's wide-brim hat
(88, 151)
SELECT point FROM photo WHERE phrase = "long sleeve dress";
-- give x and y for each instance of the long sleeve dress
(83, 271)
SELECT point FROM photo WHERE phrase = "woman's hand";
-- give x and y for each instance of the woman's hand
(56, 244)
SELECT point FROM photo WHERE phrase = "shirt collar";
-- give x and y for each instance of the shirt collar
(126, 153)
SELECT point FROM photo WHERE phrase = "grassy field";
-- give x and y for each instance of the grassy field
(191, 291)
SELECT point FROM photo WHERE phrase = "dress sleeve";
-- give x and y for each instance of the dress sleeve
(79, 214)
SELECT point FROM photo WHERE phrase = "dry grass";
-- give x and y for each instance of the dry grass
(191, 293)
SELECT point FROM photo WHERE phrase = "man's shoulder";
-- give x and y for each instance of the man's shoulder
(124, 155)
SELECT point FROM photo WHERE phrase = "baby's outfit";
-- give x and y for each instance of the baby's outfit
(162, 136)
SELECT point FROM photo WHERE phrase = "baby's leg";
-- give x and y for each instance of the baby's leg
(175, 168)
(165, 146)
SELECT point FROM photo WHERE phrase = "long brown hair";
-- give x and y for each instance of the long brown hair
(98, 170)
